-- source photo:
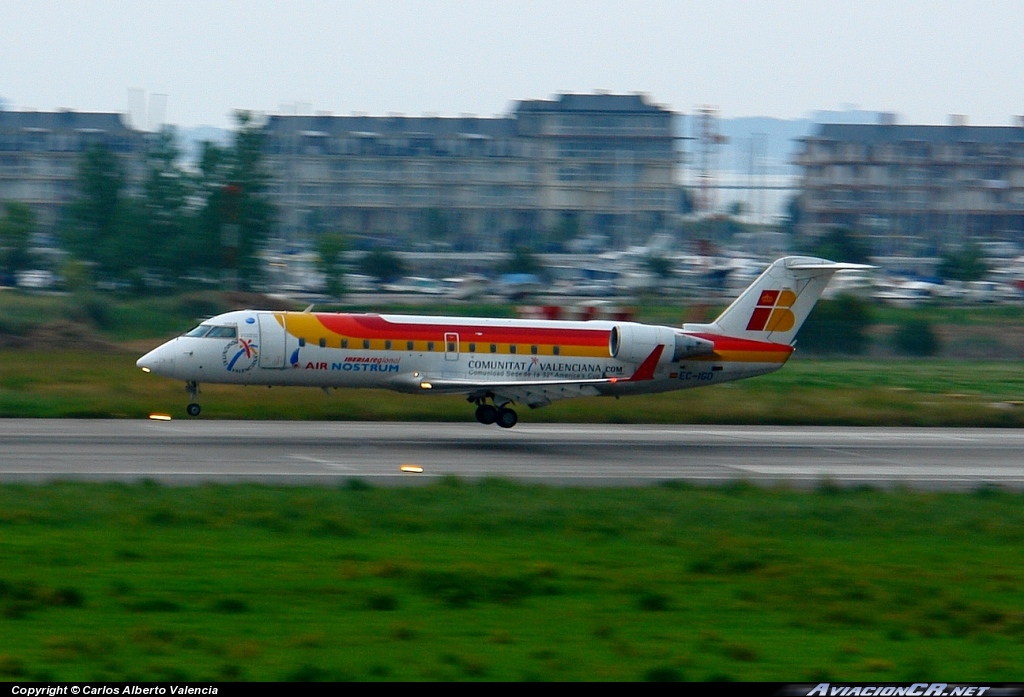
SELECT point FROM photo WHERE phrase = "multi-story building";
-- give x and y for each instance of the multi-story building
(603, 163)
(40, 153)
(914, 189)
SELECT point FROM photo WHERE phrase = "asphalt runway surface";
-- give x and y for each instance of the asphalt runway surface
(279, 452)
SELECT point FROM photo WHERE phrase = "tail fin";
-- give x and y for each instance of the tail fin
(775, 306)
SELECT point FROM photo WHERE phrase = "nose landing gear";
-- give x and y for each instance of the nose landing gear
(193, 408)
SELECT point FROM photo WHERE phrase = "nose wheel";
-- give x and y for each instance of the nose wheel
(193, 408)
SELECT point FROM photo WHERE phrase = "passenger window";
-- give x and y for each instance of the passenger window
(557, 350)
(494, 348)
(302, 342)
(533, 350)
(472, 348)
(430, 345)
(387, 345)
(366, 343)
(323, 342)
(511, 348)
(222, 333)
(408, 346)
(344, 343)
(199, 331)
(451, 346)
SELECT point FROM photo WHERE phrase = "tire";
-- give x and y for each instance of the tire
(486, 414)
(507, 418)
(193, 409)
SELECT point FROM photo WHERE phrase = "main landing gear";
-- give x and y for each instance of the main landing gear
(193, 408)
(490, 414)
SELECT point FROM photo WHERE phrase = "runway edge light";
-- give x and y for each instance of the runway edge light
(411, 468)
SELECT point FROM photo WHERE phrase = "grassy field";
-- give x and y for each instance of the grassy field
(83, 384)
(498, 581)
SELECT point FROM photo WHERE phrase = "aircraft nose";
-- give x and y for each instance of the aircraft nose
(157, 361)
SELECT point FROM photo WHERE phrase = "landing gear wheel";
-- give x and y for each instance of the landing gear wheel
(507, 418)
(486, 414)
(193, 409)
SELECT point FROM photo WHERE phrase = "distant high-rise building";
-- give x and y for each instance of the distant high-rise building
(40, 153)
(599, 164)
(914, 189)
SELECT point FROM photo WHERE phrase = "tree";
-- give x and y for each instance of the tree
(523, 260)
(567, 229)
(964, 264)
(837, 326)
(841, 244)
(659, 266)
(169, 223)
(330, 249)
(101, 226)
(382, 264)
(236, 215)
(16, 230)
(916, 337)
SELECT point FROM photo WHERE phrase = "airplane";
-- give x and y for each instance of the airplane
(496, 363)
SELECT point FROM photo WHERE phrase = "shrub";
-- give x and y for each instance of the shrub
(915, 337)
(837, 326)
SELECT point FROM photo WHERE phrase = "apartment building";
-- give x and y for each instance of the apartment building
(606, 163)
(914, 189)
(40, 152)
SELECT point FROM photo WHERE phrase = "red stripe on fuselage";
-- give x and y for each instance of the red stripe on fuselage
(729, 343)
(376, 327)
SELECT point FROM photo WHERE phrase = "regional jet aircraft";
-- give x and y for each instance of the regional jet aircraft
(496, 363)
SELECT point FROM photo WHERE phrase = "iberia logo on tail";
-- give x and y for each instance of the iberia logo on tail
(772, 313)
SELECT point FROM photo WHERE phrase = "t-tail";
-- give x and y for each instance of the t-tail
(775, 306)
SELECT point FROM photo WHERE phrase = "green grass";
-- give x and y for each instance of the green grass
(499, 581)
(63, 383)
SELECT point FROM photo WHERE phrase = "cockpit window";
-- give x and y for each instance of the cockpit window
(222, 333)
(199, 331)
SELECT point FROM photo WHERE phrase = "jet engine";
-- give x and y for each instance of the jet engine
(632, 343)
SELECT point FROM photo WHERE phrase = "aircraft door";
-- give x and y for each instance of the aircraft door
(272, 340)
(451, 346)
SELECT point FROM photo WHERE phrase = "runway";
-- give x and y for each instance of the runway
(193, 451)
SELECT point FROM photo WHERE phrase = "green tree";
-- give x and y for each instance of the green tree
(523, 260)
(567, 229)
(236, 216)
(837, 326)
(16, 230)
(915, 337)
(382, 264)
(964, 264)
(842, 244)
(659, 266)
(330, 249)
(169, 227)
(101, 226)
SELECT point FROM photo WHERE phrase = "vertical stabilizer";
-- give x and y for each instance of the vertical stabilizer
(775, 306)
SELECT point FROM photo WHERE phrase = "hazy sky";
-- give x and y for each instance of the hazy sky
(922, 59)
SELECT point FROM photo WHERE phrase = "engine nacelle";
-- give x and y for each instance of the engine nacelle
(632, 343)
